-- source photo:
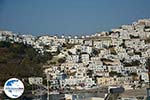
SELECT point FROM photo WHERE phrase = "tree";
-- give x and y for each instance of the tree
(90, 73)
(132, 63)
(70, 53)
(114, 73)
(95, 52)
(113, 51)
(61, 60)
(134, 37)
(147, 40)
(4, 44)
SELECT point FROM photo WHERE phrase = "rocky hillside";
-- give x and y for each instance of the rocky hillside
(19, 60)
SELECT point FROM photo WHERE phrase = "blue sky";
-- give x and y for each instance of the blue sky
(69, 16)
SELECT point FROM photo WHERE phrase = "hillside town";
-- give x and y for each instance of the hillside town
(114, 58)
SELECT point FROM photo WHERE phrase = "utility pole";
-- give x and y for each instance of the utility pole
(148, 67)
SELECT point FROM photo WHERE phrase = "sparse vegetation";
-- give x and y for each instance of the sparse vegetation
(132, 63)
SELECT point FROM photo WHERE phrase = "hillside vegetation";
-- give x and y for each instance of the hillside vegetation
(20, 61)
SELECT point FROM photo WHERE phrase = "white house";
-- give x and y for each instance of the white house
(35, 80)
(88, 42)
(86, 49)
(85, 58)
(97, 44)
(144, 76)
